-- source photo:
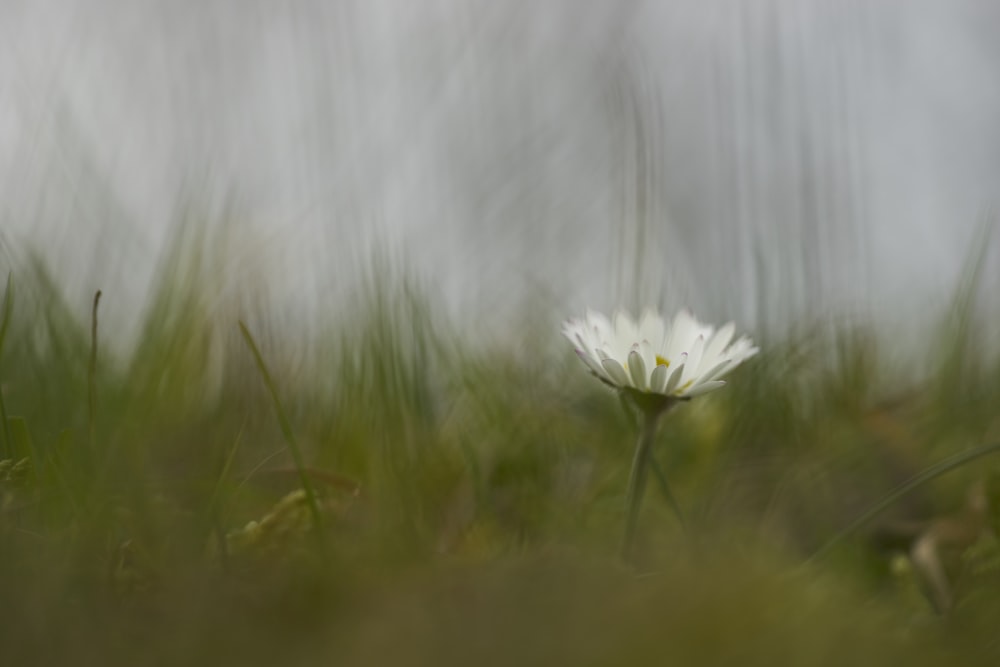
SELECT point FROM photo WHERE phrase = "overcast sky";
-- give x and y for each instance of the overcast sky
(766, 160)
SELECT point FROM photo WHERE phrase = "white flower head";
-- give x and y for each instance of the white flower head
(676, 360)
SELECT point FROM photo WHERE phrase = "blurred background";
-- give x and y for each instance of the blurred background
(771, 162)
(402, 200)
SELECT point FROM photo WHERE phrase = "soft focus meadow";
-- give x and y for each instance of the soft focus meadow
(323, 410)
(460, 500)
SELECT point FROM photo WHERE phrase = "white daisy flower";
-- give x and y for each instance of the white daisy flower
(680, 359)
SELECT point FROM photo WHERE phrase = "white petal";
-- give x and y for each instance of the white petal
(741, 350)
(703, 388)
(741, 344)
(637, 369)
(717, 371)
(675, 379)
(648, 354)
(652, 328)
(571, 330)
(682, 334)
(602, 356)
(694, 359)
(615, 372)
(658, 379)
(719, 342)
(592, 363)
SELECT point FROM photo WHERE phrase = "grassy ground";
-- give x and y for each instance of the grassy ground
(468, 497)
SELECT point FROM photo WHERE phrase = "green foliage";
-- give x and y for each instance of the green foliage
(470, 497)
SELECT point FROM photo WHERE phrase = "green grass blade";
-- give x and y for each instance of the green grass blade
(23, 445)
(212, 512)
(289, 435)
(216, 496)
(92, 377)
(8, 305)
(906, 487)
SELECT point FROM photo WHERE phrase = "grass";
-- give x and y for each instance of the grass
(158, 509)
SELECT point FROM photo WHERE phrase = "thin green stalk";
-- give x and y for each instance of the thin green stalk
(665, 489)
(8, 305)
(927, 475)
(212, 512)
(92, 378)
(293, 445)
(7, 445)
(637, 480)
(224, 475)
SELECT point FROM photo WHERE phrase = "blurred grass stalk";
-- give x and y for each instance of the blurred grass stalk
(289, 435)
(8, 304)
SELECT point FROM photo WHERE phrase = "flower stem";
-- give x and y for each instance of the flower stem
(667, 493)
(637, 480)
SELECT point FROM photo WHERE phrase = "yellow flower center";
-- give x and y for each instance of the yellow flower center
(660, 361)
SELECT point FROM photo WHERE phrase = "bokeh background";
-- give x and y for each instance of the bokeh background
(401, 201)
(773, 162)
